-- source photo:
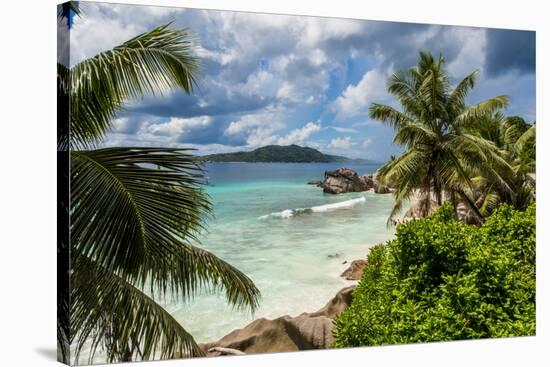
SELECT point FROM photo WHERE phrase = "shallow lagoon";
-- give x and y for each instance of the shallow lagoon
(295, 260)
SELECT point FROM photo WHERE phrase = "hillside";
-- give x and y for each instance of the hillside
(281, 154)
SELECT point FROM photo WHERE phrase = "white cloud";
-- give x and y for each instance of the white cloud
(342, 143)
(342, 129)
(267, 121)
(299, 136)
(286, 91)
(223, 57)
(95, 31)
(356, 99)
(178, 126)
(260, 129)
(316, 29)
(472, 53)
(261, 83)
(256, 129)
(254, 82)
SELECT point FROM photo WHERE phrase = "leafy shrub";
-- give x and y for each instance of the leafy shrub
(441, 279)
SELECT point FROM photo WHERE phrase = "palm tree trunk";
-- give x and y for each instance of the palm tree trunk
(470, 203)
(453, 202)
(438, 194)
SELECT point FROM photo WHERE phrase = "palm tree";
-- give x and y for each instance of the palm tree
(135, 212)
(515, 140)
(433, 127)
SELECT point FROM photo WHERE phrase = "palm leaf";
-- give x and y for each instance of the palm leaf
(110, 312)
(483, 156)
(388, 114)
(413, 132)
(462, 89)
(405, 173)
(63, 107)
(136, 212)
(447, 141)
(153, 62)
(481, 109)
(527, 136)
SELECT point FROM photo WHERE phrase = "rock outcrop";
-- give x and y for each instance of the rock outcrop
(286, 333)
(355, 270)
(344, 180)
(337, 304)
(379, 188)
(367, 181)
(316, 183)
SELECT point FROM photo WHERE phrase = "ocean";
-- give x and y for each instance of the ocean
(289, 237)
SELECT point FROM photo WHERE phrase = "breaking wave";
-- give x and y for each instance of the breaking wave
(288, 213)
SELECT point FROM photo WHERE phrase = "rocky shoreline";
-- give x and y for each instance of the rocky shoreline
(286, 333)
(343, 180)
(311, 330)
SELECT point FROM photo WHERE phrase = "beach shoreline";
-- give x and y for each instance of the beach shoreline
(305, 331)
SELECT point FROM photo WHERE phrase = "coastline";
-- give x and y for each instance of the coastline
(306, 331)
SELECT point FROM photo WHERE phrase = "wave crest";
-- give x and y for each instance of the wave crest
(288, 213)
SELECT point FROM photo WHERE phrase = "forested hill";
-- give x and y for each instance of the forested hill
(281, 154)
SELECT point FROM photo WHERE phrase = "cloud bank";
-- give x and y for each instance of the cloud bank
(279, 79)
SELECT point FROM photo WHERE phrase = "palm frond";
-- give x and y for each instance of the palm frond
(407, 167)
(462, 89)
(63, 107)
(67, 11)
(413, 132)
(403, 84)
(404, 173)
(512, 128)
(489, 202)
(482, 155)
(477, 111)
(111, 313)
(458, 143)
(527, 136)
(153, 62)
(136, 212)
(389, 115)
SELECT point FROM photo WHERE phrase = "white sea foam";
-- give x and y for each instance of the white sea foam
(288, 213)
(342, 204)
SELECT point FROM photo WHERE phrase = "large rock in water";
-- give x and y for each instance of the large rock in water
(367, 181)
(343, 180)
(286, 333)
(379, 188)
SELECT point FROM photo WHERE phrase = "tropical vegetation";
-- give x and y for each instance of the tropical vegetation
(280, 153)
(468, 155)
(442, 279)
(450, 275)
(135, 212)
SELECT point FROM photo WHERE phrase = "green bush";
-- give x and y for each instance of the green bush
(441, 279)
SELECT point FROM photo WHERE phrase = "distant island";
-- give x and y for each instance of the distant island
(281, 154)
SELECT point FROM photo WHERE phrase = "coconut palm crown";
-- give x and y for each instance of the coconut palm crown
(433, 125)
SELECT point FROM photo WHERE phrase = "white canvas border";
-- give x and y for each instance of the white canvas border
(27, 316)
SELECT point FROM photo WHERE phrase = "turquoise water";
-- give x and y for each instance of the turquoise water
(293, 256)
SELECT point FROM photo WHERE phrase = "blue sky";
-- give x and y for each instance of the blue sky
(279, 79)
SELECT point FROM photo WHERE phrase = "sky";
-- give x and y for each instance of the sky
(280, 79)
